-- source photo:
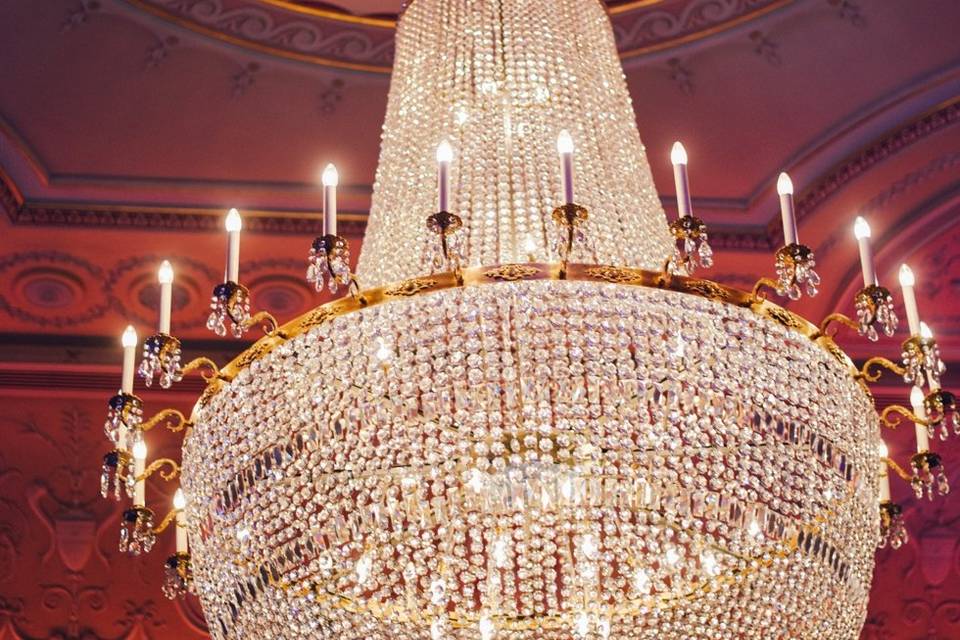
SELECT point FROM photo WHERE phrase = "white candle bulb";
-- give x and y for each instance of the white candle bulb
(925, 331)
(785, 189)
(180, 504)
(530, 246)
(139, 465)
(910, 299)
(233, 224)
(884, 474)
(444, 158)
(165, 276)
(861, 229)
(565, 149)
(330, 180)
(129, 342)
(678, 156)
(923, 438)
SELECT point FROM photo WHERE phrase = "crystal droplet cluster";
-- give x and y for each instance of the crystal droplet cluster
(537, 459)
(499, 79)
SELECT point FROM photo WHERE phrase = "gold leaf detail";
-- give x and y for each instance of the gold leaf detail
(707, 289)
(784, 317)
(512, 272)
(318, 317)
(618, 275)
(410, 287)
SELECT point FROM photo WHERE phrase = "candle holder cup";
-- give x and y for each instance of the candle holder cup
(161, 359)
(875, 312)
(893, 532)
(329, 263)
(571, 220)
(921, 361)
(929, 477)
(692, 249)
(941, 409)
(124, 410)
(136, 531)
(795, 274)
(447, 255)
(113, 473)
(177, 576)
(230, 305)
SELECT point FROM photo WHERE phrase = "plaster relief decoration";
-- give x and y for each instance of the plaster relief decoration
(766, 48)
(681, 75)
(159, 51)
(244, 79)
(79, 14)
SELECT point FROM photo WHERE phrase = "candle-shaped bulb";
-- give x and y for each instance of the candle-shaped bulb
(784, 185)
(165, 273)
(678, 155)
(861, 228)
(233, 221)
(916, 398)
(330, 177)
(906, 276)
(140, 450)
(444, 152)
(883, 453)
(565, 148)
(882, 450)
(179, 501)
(564, 142)
(444, 158)
(920, 428)
(129, 337)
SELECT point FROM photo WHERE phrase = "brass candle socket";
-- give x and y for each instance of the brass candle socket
(893, 532)
(875, 312)
(177, 576)
(941, 409)
(570, 220)
(124, 410)
(136, 531)
(921, 361)
(230, 305)
(691, 248)
(795, 274)
(448, 255)
(929, 477)
(329, 263)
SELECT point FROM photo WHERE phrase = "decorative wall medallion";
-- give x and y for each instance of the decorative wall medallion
(51, 289)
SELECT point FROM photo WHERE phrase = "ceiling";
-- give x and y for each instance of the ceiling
(127, 127)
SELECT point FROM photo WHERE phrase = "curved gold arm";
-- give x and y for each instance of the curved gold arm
(166, 414)
(879, 362)
(167, 519)
(758, 295)
(270, 325)
(838, 318)
(900, 471)
(197, 363)
(899, 413)
(157, 465)
(354, 287)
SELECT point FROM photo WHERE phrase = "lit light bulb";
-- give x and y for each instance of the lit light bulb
(165, 273)
(641, 582)
(140, 450)
(129, 337)
(784, 185)
(564, 142)
(882, 449)
(233, 221)
(583, 624)
(906, 276)
(444, 152)
(925, 331)
(179, 501)
(678, 155)
(487, 628)
(529, 244)
(363, 567)
(383, 352)
(330, 177)
(861, 228)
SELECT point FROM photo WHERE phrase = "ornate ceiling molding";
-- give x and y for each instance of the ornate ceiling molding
(337, 39)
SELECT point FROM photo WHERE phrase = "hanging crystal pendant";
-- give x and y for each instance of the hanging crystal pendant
(692, 250)
(941, 410)
(124, 410)
(328, 263)
(447, 253)
(893, 531)
(929, 477)
(136, 531)
(111, 477)
(229, 304)
(177, 576)
(161, 359)
(921, 359)
(795, 273)
(875, 312)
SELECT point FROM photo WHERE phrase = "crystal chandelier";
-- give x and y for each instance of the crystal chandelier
(534, 420)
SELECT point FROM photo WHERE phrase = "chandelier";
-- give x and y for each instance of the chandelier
(533, 420)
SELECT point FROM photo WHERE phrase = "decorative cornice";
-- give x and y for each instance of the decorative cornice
(337, 39)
